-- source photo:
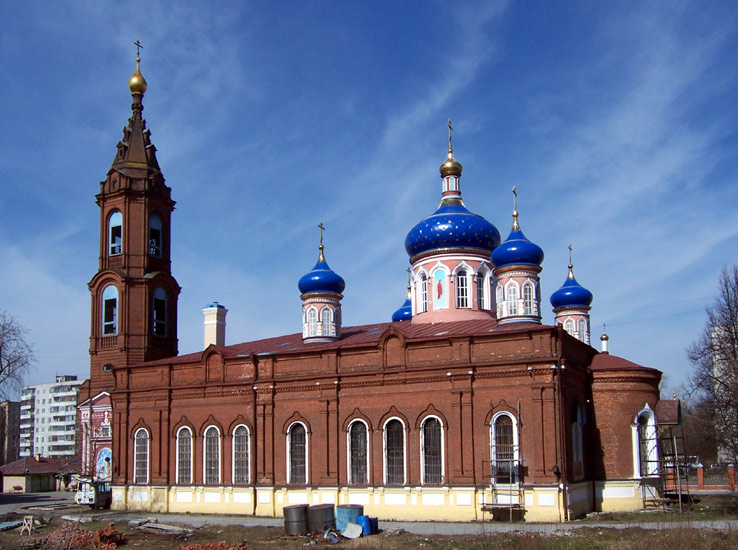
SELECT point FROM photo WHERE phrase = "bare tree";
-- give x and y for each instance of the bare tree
(715, 358)
(16, 355)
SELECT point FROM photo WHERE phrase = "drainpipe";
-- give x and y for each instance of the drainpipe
(559, 396)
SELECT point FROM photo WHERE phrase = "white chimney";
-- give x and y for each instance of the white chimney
(214, 317)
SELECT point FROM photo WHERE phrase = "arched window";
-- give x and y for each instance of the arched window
(394, 452)
(211, 452)
(312, 322)
(647, 445)
(160, 312)
(358, 455)
(110, 310)
(141, 457)
(297, 454)
(423, 294)
(500, 296)
(528, 301)
(462, 289)
(512, 299)
(576, 441)
(431, 448)
(326, 322)
(184, 456)
(583, 331)
(504, 455)
(115, 233)
(155, 236)
(241, 455)
(482, 294)
(569, 327)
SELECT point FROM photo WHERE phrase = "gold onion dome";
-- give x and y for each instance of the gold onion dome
(451, 167)
(137, 83)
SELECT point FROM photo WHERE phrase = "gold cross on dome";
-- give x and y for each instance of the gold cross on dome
(450, 130)
(322, 228)
(138, 45)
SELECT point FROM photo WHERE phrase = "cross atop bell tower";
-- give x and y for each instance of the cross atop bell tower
(134, 295)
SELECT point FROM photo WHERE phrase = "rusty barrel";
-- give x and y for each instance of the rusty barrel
(321, 517)
(295, 519)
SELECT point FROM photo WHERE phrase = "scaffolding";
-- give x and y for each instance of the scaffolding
(506, 488)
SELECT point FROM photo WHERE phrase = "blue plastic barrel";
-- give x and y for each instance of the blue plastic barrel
(366, 524)
(347, 513)
(375, 525)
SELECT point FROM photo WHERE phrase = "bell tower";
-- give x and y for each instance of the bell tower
(134, 295)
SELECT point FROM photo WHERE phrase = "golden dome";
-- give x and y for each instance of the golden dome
(137, 83)
(451, 167)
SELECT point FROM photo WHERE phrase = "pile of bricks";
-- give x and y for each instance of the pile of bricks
(108, 538)
(68, 536)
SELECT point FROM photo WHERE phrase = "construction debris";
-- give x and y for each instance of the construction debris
(108, 538)
(68, 536)
(163, 528)
(213, 546)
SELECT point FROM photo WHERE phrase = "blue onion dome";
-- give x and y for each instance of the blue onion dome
(452, 226)
(516, 249)
(405, 313)
(571, 293)
(321, 279)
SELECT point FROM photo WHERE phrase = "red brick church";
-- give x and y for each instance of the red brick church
(464, 403)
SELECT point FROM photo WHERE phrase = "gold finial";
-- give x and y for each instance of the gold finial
(571, 265)
(451, 167)
(516, 226)
(604, 336)
(137, 83)
(321, 258)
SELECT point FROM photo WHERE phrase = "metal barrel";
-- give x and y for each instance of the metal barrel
(321, 517)
(295, 519)
(347, 513)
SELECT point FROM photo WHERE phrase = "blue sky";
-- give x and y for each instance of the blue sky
(615, 120)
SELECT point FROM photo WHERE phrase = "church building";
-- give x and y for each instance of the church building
(465, 403)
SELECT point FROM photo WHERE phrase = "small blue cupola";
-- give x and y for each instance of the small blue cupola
(405, 313)
(321, 293)
(571, 304)
(517, 249)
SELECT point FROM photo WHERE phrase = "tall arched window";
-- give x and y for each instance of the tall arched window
(482, 294)
(241, 455)
(297, 454)
(512, 299)
(462, 289)
(155, 236)
(211, 452)
(326, 322)
(394, 452)
(431, 446)
(115, 233)
(504, 455)
(110, 310)
(500, 296)
(583, 331)
(569, 327)
(422, 294)
(141, 457)
(647, 445)
(312, 322)
(528, 300)
(358, 454)
(184, 456)
(160, 312)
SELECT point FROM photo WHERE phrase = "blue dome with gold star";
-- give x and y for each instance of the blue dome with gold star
(452, 226)
(571, 294)
(517, 250)
(321, 279)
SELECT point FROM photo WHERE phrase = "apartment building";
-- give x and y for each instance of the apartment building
(48, 418)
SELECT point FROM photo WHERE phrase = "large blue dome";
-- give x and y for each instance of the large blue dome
(405, 313)
(452, 226)
(517, 250)
(571, 294)
(321, 279)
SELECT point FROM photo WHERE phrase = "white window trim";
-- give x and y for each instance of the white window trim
(533, 302)
(404, 449)
(653, 447)
(148, 456)
(512, 284)
(176, 455)
(205, 457)
(447, 273)
(110, 233)
(348, 454)
(289, 452)
(233, 455)
(422, 449)
(493, 446)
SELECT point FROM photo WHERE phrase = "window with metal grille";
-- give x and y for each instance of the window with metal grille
(394, 434)
(141, 457)
(512, 300)
(241, 455)
(462, 289)
(297, 458)
(504, 459)
(184, 456)
(432, 462)
(312, 323)
(423, 288)
(358, 453)
(528, 299)
(212, 455)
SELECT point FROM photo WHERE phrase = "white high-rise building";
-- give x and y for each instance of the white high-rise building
(48, 418)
